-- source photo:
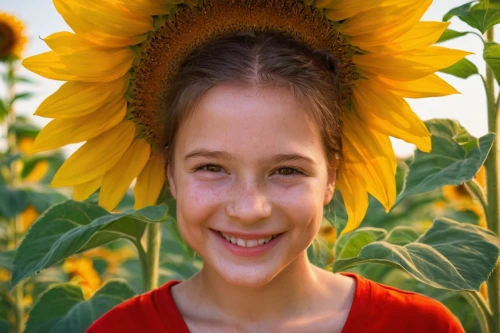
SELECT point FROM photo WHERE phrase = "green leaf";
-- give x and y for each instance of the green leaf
(63, 309)
(491, 55)
(461, 11)
(449, 255)
(455, 158)
(482, 16)
(13, 202)
(17, 199)
(42, 198)
(24, 128)
(71, 227)
(8, 159)
(6, 259)
(451, 34)
(462, 69)
(21, 96)
(319, 254)
(3, 110)
(350, 244)
(402, 235)
(4, 326)
(22, 79)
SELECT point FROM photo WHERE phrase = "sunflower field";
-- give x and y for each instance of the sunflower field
(83, 233)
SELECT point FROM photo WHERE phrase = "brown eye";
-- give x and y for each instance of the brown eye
(209, 168)
(288, 171)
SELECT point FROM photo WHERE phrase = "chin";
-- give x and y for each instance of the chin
(247, 278)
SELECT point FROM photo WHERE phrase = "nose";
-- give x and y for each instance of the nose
(248, 204)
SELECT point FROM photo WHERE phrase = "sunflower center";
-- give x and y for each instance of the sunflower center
(162, 55)
(7, 40)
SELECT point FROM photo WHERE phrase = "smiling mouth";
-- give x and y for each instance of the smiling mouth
(248, 242)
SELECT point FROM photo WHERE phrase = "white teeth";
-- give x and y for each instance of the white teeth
(252, 243)
(249, 242)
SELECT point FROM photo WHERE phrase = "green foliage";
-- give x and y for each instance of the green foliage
(462, 69)
(63, 309)
(15, 200)
(6, 259)
(491, 55)
(72, 227)
(4, 326)
(455, 158)
(451, 34)
(319, 253)
(482, 16)
(435, 258)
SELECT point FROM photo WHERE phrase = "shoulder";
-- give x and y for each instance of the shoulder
(415, 310)
(388, 307)
(141, 313)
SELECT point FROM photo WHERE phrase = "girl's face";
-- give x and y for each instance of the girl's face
(250, 180)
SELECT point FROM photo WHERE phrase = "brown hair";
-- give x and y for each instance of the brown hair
(268, 58)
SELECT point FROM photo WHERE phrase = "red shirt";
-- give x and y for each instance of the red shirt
(376, 308)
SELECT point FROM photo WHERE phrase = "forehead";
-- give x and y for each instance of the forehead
(248, 118)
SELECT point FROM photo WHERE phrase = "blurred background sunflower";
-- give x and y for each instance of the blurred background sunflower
(12, 37)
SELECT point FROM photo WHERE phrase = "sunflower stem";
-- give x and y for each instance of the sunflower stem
(481, 310)
(477, 192)
(152, 256)
(492, 188)
(15, 223)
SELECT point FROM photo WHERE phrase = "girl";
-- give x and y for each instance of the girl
(252, 149)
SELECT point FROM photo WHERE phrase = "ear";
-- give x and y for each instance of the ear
(171, 182)
(330, 189)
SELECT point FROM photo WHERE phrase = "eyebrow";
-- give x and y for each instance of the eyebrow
(224, 155)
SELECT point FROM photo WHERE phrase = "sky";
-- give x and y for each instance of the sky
(469, 108)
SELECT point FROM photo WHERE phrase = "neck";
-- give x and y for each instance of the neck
(286, 295)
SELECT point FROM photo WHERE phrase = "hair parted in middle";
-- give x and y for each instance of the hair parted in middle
(263, 59)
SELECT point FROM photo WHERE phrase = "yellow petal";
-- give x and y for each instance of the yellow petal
(341, 10)
(436, 56)
(422, 35)
(408, 66)
(150, 182)
(429, 86)
(76, 99)
(66, 42)
(370, 156)
(106, 23)
(384, 24)
(48, 65)
(389, 114)
(117, 180)
(355, 198)
(83, 191)
(88, 65)
(96, 156)
(60, 132)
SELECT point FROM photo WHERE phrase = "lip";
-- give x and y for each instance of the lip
(247, 251)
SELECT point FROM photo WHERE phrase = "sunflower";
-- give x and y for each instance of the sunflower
(12, 39)
(123, 54)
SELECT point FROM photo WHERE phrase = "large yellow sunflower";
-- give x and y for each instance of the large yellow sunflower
(123, 53)
(12, 38)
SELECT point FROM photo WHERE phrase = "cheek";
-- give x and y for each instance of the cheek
(196, 205)
(302, 204)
